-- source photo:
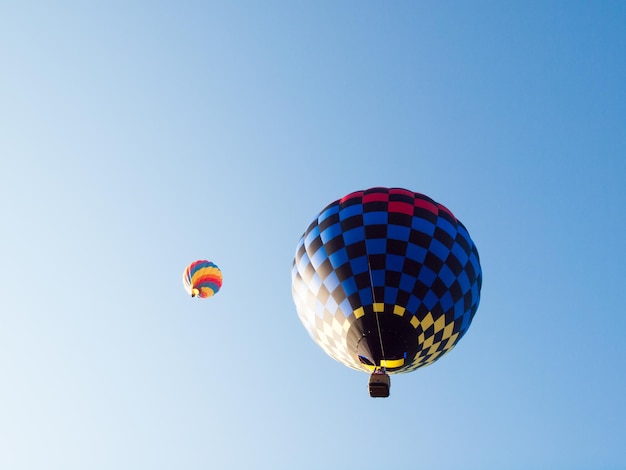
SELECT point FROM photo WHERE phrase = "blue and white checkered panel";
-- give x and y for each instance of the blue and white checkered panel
(326, 320)
(331, 334)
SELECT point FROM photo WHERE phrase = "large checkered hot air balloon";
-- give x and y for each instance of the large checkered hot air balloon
(202, 279)
(386, 280)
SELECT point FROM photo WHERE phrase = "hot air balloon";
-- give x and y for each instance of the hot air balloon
(202, 279)
(385, 281)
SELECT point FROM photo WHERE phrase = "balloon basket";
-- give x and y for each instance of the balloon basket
(379, 385)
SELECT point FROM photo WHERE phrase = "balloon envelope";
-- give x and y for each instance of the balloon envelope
(386, 278)
(202, 279)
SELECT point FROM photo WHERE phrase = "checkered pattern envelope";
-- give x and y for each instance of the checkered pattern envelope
(386, 267)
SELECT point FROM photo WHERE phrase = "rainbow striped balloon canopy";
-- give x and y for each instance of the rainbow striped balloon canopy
(202, 279)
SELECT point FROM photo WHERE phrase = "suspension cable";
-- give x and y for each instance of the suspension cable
(380, 336)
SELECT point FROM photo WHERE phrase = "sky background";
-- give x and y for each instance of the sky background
(136, 137)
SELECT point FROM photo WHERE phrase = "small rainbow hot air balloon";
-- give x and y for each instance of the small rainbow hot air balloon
(202, 279)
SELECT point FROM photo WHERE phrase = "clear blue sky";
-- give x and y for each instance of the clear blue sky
(136, 137)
